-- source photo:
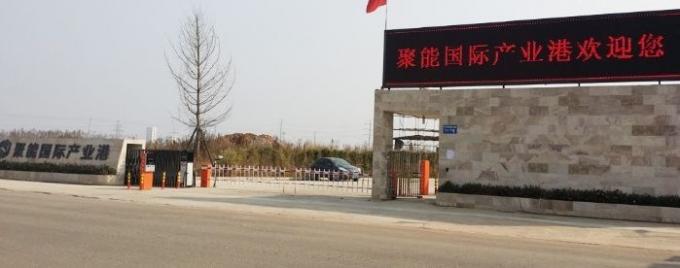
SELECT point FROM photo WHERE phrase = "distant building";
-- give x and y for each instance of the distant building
(151, 134)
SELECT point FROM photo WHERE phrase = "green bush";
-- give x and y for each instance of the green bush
(58, 168)
(568, 194)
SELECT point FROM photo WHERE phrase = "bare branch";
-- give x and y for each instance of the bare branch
(203, 81)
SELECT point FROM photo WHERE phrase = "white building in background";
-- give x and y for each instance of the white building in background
(151, 134)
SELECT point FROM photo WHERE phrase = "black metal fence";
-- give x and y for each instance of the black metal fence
(168, 166)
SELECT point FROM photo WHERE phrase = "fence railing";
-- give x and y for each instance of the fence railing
(303, 177)
(249, 171)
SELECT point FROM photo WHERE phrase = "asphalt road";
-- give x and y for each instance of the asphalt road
(48, 230)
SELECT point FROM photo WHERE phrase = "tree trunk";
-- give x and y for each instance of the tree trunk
(197, 149)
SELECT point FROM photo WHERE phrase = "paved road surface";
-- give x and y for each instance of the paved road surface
(50, 230)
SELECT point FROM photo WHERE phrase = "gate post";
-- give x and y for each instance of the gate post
(382, 144)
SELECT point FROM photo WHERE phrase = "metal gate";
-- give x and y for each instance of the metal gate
(403, 170)
(132, 166)
(167, 163)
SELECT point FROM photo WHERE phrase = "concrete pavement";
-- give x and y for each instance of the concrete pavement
(414, 214)
(56, 230)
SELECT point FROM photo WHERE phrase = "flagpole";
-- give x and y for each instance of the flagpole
(386, 5)
(384, 46)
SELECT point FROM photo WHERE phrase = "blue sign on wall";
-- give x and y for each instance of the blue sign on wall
(450, 129)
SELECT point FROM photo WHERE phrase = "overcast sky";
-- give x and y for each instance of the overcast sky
(313, 64)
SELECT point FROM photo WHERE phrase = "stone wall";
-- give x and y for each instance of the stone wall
(617, 137)
(77, 151)
(63, 178)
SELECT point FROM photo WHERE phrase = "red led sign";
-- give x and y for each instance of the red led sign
(603, 48)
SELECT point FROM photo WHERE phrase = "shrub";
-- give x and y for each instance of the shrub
(568, 194)
(58, 168)
(263, 150)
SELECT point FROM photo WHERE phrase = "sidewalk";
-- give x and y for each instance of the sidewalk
(404, 213)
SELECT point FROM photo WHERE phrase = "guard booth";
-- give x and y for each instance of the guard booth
(167, 166)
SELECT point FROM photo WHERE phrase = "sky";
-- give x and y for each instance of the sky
(304, 68)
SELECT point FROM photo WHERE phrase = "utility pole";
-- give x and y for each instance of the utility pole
(118, 130)
(89, 126)
(314, 138)
(370, 132)
(281, 131)
(173, 134)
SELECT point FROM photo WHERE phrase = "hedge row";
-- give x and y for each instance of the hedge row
(569, 194)
(58, 168)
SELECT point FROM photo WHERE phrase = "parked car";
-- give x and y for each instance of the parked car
(336, 164)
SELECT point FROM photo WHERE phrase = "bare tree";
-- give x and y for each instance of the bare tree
(203, 81)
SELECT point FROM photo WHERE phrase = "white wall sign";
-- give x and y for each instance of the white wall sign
(450, 154)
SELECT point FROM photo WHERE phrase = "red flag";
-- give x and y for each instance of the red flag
(374, 4)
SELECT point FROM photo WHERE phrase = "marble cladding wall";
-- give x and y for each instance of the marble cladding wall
(609, 138)
(616, 137)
